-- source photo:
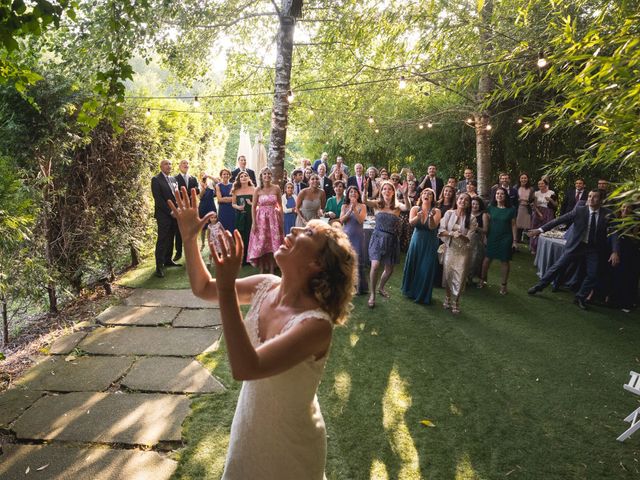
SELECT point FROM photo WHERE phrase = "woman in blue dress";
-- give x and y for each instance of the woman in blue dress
(421, 264)
(207, 203)
(352, 215)
(384, 246)
(289, 206)
(226, 213)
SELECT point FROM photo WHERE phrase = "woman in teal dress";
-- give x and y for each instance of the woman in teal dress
(421, 264)
(501, 240)
(241, 201)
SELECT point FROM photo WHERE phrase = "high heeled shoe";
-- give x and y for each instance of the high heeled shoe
(503, 289)
(455, 309)
(372, 302)
(447, 303)
(384, 293)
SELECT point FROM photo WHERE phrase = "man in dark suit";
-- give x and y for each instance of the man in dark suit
(184, 180)
(587, 242)
(504, 181)
(358, 180)
(296, 179)
(323, 159)
(574, 196)
(242, 167)
(325, 182)
(462, 184)
(431, 181)
(162, 188)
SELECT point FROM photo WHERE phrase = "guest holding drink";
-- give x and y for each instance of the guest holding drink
(421, 264)
(242, 202)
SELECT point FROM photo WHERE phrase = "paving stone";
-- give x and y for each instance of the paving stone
(167, 298)
(13, 402)
(66, 344)
(163, 341)
(127, 315)
(166, 374)
(206, 317)
(63, 463)
(135, 418)
(83, 374)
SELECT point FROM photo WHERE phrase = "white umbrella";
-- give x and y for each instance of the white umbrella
(244, 147)
(259, 158)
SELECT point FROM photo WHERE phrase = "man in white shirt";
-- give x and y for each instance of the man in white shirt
(325, 182)
(358, 179)
(188, 181)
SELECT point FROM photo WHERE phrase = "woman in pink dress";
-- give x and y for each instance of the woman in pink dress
(267, 229)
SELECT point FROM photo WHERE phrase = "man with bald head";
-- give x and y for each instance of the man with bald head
(162, 187)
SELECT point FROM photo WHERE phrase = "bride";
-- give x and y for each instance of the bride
(280, 349)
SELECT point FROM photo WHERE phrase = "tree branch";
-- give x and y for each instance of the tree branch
(236, 21)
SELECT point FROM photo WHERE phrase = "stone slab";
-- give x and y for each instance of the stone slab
(204, 317)
(167, 374)
(143, 316)
(64, 463)
(167, 298)
(13, 403)
(134, 418)
(161, 341)
(66, 344)
(83, 374)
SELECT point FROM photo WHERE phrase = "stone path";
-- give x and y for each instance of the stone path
(102, 399)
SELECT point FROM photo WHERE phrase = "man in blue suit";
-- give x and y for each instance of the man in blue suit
(587, 242)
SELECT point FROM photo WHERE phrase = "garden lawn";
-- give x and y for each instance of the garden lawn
(516, 386)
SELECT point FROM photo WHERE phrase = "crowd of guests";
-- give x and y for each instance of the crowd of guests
(450, 235)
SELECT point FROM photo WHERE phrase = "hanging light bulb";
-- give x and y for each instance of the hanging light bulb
(489, 126)
(469, 120)
(377, 130)
(403, 83)
(196, 102)
(148, 112)
(519, 121)
(542, 62)
(311, 112)
(290, 96)
(371, 120)
(547, 126)
(421, 126)
(429, 125)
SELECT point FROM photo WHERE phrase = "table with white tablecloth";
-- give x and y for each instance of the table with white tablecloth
(548, 252)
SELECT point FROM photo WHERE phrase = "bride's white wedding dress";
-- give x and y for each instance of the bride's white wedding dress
(278, 432)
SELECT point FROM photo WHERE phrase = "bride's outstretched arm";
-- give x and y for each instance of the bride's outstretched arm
(310, 337)
(190, 224)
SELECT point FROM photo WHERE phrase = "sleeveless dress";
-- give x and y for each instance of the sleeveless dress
(226, 213)
(384, 245)
(278, 431)
(355, 232)
(500, 237)
(207, 203)
(266, 236)
(289, 204)
(477, 249)
(308, 210)
(244, 222)
(421, 264)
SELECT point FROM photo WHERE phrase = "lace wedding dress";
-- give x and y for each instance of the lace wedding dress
(278, 432)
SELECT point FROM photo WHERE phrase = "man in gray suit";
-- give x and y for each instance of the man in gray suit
(587, 242)
(462, 184)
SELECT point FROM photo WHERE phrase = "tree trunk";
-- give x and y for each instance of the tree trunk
(280, 111)
(45, 168)
(5, 321)
(485, 86)
(135, 255)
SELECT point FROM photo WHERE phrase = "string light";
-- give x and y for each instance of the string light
(290, 96)
(547, 126)
(429, 125)
(371, 120)
(196, 102)
(519, 121)
(488, 127)
(148, 112)
(377, 130)
(421, 126)
(311, 112)
(403, 83)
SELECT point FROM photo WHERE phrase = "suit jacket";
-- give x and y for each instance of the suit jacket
(462, 186)
(328, 187)
(569, 201)
(302, 186)
(252, 175)
(439, 185)
(193, 183)
(317, 163)
(579, 221)
(352, 181)
(513, 194)
(161, 192)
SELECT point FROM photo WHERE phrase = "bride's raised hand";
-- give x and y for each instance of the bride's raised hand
(185, 211)
(228, 259)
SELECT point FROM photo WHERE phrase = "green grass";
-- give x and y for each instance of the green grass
(517, 386)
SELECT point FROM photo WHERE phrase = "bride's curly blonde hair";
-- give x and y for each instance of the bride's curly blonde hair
(334, 286)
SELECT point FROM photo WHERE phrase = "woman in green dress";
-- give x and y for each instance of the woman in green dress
(241, 198)
(501, 240)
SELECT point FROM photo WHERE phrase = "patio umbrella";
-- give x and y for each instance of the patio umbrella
(259, 154)
(244, 148)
